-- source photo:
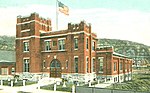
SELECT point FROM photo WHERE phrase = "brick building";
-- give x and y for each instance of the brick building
(7, 64)
(70, 53)
(112, 66)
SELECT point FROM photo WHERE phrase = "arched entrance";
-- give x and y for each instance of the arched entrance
(55, 68)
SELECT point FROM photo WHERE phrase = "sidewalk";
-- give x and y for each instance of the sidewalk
(27, 89)
(103, 85)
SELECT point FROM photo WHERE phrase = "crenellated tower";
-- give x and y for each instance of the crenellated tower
(28, 30)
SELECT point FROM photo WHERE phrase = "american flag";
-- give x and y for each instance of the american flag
(63, 8)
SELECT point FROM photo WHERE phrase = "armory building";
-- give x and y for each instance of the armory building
(70, 53)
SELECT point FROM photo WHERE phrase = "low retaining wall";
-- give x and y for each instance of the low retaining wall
(102, 90)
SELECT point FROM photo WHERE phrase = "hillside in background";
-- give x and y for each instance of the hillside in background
(7, 43)
(139, 52)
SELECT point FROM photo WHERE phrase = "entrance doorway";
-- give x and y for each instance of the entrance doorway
(55, 68)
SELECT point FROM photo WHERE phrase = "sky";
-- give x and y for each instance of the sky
(113, 19)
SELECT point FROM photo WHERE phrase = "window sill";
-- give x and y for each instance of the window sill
(61, 50)
(25, 72)
(115, 72)
(54, 51)
(26, 30)
(76, 49)
(48, 50)
(93, 50)
(4, 74)
(121, 70)
(25, 51)
(100, 72)
(93, 72)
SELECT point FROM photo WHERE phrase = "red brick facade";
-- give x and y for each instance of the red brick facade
(7, 68)
(37, 55)
(115, 65)
(41, 50)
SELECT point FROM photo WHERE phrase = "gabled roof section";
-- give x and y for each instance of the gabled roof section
(105, 49)
(121, 55)
(7, 56)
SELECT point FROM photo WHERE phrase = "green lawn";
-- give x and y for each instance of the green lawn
(140, 82)
(23, 92)
(19, 83)
(60, 87)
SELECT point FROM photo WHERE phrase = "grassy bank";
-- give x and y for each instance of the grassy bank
(140, 82)
(60, 87)
(18, 83)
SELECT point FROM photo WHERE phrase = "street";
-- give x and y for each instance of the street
(26, 89)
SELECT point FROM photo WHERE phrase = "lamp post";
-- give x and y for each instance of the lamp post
(1, 82)
(93, 89)
(55, 86)
(112, 90)
(106, 64)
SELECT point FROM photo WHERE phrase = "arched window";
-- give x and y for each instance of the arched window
(55, 63)
(55, 68)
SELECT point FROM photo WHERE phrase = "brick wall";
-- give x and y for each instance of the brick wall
(110, 58)
(37, 30)
(37, 53)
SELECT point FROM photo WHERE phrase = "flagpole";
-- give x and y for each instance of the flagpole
(56, 14)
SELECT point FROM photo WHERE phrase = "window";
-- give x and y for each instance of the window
(4, 71)
(129, 67)
(25, 26)
(13, 70)
(67, 64)
(93, 64)
(75, 43)
(44, 64)
(126, 67)
(26, 65)
(101, 60)
(87, 41)
(87, 62)
(26, 46)
(54, 43)
(120, 65)
(55, 64)
(93, 46)
(47, 45)
(43, 27)
(61, 44)
(121, 77)
(115, 66)
(76, 64)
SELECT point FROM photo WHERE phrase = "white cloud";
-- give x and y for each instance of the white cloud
(127, 25)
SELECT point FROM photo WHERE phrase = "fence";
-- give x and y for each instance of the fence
(102, 90)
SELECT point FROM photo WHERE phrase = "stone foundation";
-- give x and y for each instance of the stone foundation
(71, 77)
(115, 78)
(79, 77)
(6, 77)
(32, 76)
